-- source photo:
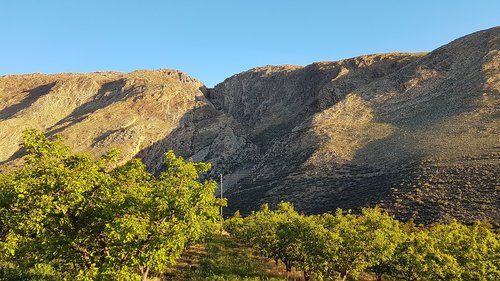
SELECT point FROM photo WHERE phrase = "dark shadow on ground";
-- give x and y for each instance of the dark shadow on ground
(32, 96)
(108, 94)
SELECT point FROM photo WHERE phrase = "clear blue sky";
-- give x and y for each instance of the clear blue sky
(212, 39)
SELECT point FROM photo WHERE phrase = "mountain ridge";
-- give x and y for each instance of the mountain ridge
(413, 132)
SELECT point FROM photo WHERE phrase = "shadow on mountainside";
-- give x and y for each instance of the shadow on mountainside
(338, 184)
(108, 94)
(397, 172)
(32, 96)
(282, 173)
(455, 130)
(277, 172)
(203, 134)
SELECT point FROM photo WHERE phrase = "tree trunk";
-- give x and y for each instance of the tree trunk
(307, 276)
(144, 272)
(379, 276)
(288, 266)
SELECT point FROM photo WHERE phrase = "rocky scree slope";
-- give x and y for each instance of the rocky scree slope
(414, 132)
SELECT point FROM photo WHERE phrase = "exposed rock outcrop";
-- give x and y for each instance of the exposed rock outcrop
(414, 132)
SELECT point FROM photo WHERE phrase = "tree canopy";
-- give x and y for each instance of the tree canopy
(334, 246)
(67, 216)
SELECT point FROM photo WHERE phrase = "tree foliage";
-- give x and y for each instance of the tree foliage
(68, 216)
(448, 252)
(364, 241)
(335, 246)
(64, 215)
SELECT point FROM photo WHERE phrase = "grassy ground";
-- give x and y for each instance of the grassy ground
(221, 258)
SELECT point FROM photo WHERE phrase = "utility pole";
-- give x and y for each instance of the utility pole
(221, 217)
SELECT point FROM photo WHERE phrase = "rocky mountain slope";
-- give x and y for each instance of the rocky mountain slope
(417, 133)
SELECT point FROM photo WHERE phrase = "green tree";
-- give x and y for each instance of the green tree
(475, 249)
(260, 230)
(263, 230)
(450, 251)
(302, 241)
(363, 241)
(479, 254)
(75, 218)
(421, 257)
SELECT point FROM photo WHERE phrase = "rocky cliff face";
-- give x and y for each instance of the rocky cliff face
(96, 111)
(415, 133)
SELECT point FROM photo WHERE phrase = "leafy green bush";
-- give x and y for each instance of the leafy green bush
(66, 216)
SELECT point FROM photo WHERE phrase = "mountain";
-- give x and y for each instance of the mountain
(417, 133)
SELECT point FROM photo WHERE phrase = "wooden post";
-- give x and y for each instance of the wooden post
(221, 216)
